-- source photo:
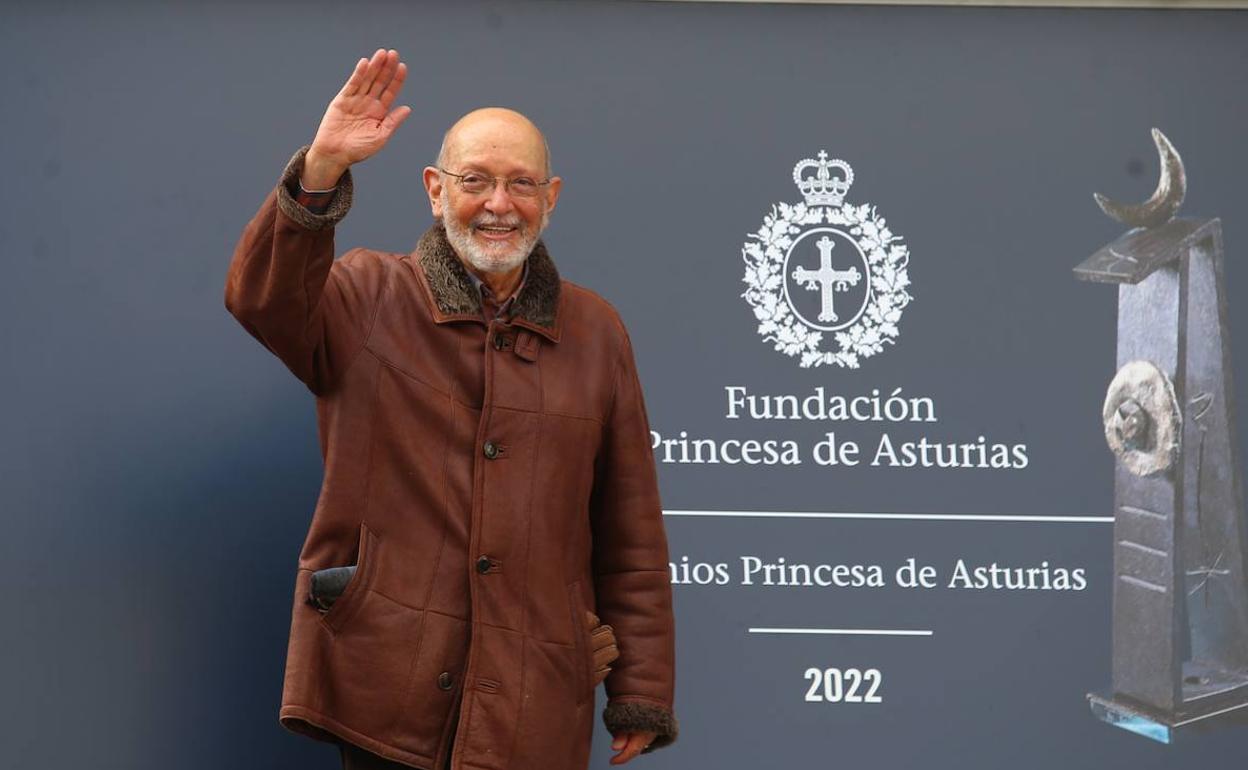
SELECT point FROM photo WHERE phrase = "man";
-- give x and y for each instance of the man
(487, 462)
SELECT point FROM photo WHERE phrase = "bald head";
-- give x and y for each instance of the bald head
(495, 131)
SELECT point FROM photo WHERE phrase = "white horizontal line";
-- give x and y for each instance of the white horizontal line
(1213, 714)
(1143, 548)
(844, 631)
(1142, 584)
(896, 516)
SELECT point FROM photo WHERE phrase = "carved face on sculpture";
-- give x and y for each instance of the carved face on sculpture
(1142, 420)
(495, 228)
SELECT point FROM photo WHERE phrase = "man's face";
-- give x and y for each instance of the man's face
(493, 230)
(492, 238)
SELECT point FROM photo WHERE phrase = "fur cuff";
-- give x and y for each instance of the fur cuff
(338, 206)
(632, 716)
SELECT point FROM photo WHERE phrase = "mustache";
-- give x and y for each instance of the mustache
(493, 220)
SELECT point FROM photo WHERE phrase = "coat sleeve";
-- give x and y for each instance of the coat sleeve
(632, 584)
(288, 292)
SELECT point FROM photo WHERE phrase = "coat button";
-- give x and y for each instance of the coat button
(483, 564)
(500, 341)
(444, 680)
(491, 450)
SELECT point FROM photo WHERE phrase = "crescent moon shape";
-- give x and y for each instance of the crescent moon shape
(1171, 189)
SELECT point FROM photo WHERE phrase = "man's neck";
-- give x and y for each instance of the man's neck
(502, 285)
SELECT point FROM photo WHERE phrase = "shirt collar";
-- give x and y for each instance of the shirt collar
(488, 296)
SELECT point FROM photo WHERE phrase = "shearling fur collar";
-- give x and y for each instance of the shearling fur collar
(536, 306)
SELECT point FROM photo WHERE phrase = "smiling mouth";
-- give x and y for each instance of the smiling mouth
(495, 231)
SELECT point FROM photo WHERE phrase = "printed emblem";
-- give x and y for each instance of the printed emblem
(826, 279)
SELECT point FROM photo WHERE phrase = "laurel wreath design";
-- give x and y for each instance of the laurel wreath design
(887, 258)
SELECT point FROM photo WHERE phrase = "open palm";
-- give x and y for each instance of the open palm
(359, 121)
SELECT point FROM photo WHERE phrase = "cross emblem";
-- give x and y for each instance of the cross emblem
(1206, 574)
(826, 279)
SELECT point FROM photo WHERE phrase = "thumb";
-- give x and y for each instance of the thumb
(619, 742)
(395, 119)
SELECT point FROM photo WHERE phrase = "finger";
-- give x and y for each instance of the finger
(604, 646)
(357, 75)
(371, 72)
(633, 744)
(395, 119)
(636, 742)
(604, 656)
(392, 90)
(603, 635)
(389, 65)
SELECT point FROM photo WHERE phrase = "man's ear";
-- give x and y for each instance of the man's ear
(433, 187)
(552, 193)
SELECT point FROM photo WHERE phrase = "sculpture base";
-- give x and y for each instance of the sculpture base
(1164, 728)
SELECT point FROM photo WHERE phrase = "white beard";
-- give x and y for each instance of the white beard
(488, 257)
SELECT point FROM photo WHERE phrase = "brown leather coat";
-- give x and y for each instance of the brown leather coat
(493, 483)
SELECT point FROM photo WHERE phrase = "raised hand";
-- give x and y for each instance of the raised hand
(359, 121)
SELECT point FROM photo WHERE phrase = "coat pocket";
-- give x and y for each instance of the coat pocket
(347, 604)
(580, 643)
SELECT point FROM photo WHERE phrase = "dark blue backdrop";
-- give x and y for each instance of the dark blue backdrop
(160, 467)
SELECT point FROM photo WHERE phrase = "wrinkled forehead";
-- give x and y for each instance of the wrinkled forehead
(500, 145)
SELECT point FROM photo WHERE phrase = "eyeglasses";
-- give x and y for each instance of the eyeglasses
(475, 183)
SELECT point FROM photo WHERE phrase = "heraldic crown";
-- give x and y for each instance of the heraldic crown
(821, 188)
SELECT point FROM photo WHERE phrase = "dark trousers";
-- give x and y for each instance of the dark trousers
(355, 758)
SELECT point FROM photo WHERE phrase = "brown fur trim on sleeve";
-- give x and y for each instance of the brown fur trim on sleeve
(338, 206)
(631, 716)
